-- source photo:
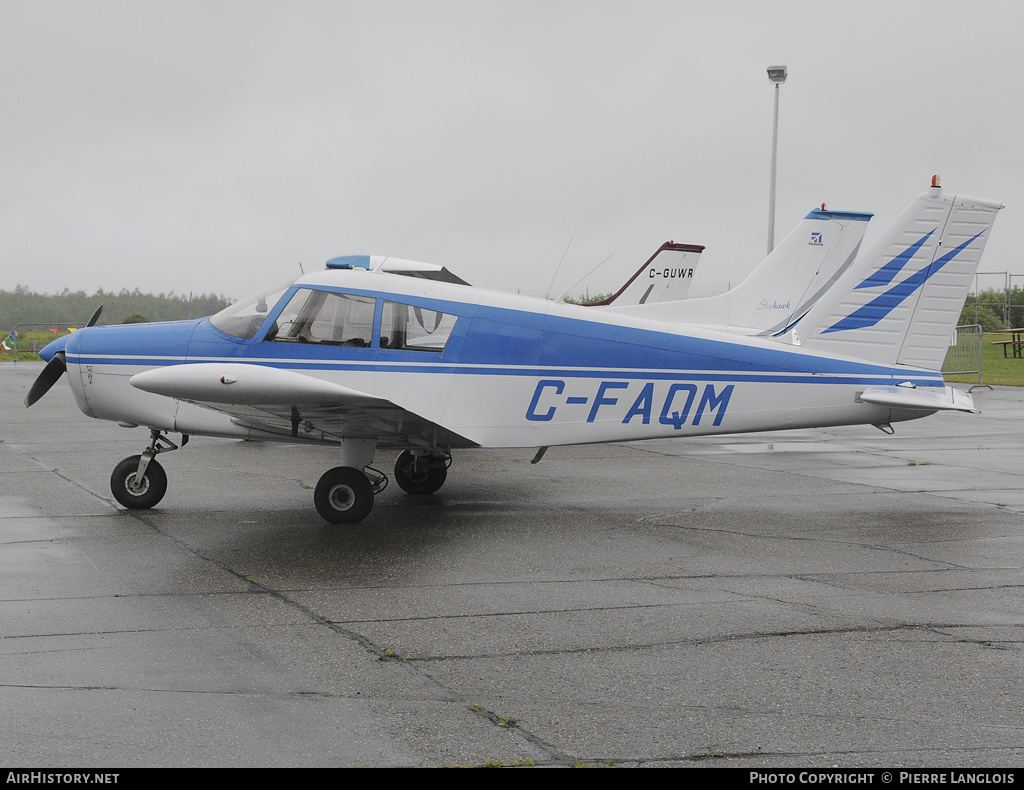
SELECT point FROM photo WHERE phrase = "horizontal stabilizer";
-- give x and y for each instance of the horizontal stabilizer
(232, 382)
(925, 398)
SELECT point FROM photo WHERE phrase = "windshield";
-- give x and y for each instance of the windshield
(243, 319)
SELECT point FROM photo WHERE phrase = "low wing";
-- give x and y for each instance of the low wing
(286, 403)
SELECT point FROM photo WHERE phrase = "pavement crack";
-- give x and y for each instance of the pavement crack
(25, 454)
(516, 613)
(696, 642)
(795, 539)
(156, 690)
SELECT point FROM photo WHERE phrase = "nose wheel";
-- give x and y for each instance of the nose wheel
(139, 482)
(135, 491)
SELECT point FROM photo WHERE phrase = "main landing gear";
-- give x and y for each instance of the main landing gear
(344, 494)
(139, 482)
(421, 473)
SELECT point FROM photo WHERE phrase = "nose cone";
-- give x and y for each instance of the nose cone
(49, 351)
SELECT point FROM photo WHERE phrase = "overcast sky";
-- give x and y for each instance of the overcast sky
(213, 146)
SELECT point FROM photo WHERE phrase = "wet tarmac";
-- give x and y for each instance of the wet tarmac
(808, 598)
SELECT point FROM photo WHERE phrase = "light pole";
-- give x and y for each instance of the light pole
(776, 76)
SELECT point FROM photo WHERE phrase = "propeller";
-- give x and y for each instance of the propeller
(51, 373)
(54, 369)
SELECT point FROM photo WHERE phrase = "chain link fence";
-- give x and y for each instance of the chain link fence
(964, 356)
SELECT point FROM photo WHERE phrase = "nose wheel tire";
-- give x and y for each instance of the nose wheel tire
(420, 474)
(343, 496)
(144, 495)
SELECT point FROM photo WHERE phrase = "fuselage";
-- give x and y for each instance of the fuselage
(492, 369)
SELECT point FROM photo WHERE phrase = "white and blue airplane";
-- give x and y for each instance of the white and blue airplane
(380, 353)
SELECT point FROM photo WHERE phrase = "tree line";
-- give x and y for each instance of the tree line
(73, 308)
(995, 310)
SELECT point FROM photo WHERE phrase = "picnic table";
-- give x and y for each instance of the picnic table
(1015, 343)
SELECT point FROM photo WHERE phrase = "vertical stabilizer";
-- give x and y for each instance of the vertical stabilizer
(808, 261)
(902, 299)
(667, 276)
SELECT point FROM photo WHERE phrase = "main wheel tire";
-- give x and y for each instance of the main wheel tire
(426, 478)
(343, 495)
(154, 484)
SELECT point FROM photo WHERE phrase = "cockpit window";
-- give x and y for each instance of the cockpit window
(243, 319)
(412, 328)
(325, 317)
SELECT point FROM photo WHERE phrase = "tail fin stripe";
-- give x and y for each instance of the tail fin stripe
(879, 307)
(885, 275)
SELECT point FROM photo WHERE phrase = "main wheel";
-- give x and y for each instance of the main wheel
(152, 490)
(423, 475)
(343, 496)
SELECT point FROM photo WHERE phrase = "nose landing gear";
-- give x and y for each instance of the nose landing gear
(139, 482)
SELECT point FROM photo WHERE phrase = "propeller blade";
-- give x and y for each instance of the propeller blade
(51, 373)
(95, 317)
(54, 369)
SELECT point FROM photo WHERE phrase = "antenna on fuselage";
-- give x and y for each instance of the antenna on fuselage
(561, 296)
(407, 235)
(559, 266)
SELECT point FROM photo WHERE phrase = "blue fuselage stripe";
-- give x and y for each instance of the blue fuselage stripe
(921, 378)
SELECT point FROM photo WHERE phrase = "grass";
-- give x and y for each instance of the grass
(994, 368)
(526, 763)
(23, 356)
(29, 343)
